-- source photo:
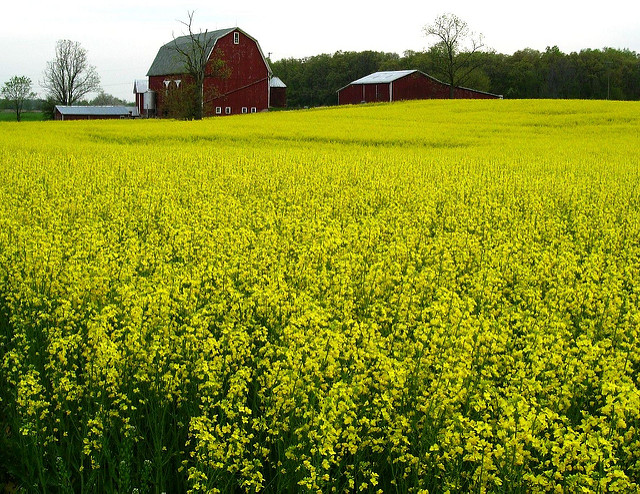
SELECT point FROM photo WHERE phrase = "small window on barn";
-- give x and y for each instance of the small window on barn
(253, 109)
(227, 110)
(236, 38)
(244, 109)
(218, 110)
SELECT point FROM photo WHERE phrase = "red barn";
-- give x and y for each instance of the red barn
(243, 89)
(400, 85)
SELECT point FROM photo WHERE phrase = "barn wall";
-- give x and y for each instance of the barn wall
(248, 82)
(419, 86)
(278, 98)
(156, 83)
(464, 93)
(58, 116)
(351, 95)
(140, 103)
(246, 87)
(410, 87)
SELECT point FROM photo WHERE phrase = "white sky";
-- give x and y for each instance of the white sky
(122, 37)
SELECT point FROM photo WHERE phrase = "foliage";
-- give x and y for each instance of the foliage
(17, 91)
(69, 76)
(104, 99)
(438, 295)
(526, 73)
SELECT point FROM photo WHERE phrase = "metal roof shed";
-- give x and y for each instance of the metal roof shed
(93, 112)
(398, 85)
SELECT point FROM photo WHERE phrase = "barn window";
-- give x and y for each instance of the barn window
(244, 109)
(227, 110)
(253, 109)
(218, 110)
(236, 38)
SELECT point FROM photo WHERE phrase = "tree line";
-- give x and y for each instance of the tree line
(458, 57)
(607, 73)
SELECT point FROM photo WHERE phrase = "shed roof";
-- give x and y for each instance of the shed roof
(95, 110)
(140, 86)
(383, 77)
(276, 82)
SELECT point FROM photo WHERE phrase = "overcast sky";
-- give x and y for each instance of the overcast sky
(122, 37)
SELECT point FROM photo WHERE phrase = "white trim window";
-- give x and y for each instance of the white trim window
(227, 110)
(253, 109)
(244, 109)
(218, 110)
(236, 38)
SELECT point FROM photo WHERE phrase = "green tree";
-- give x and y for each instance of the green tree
(17, 91)
(104, 99)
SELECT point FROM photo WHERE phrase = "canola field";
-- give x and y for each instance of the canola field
(436, 296)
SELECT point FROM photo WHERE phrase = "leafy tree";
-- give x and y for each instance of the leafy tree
(104, 99)
(49, 108)
(17, 91)
(69, 76)
(455, 49)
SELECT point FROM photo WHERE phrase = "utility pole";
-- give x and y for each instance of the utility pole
(608, 64)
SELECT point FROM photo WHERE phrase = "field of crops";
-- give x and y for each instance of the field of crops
(418, 297)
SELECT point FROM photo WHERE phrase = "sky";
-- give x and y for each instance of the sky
(122, 37)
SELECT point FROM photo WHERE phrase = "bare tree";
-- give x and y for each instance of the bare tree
(17, 90)
(195, 50)
(455, 49)
(69, 76)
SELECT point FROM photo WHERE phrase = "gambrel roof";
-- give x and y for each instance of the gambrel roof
(169, 62)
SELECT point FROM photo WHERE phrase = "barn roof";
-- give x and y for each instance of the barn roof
(168, 61)
(95, 110)
(393, 75)
(140, 86)
(276, 82)
(383, 77)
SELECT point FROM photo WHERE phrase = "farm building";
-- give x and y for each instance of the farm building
(145, 99)
(243, 89)
(278, 93)
(400, 85)
(94, 112)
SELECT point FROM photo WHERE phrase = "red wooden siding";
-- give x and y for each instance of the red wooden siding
(278, 97)
(416, 85)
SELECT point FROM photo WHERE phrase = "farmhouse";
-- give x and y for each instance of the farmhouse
(94, 112)
(244, 88)
(400, 85)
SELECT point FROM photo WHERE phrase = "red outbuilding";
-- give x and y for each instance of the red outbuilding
(244, 87)
(63, 112)
(400, 85)
(278, 95)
